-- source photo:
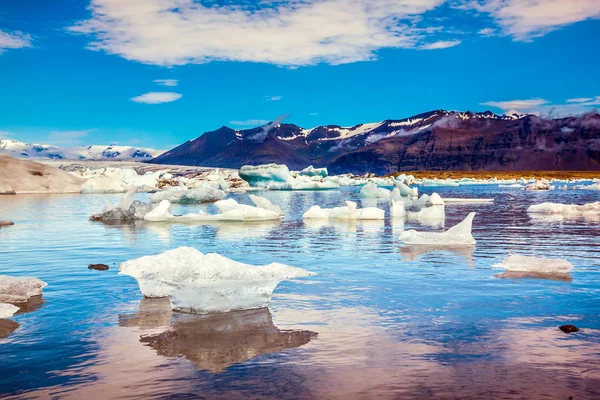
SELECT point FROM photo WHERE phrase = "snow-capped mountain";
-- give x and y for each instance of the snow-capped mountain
(434, 140)
(18, 149)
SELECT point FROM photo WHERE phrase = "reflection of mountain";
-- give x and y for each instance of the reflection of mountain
(216, 341)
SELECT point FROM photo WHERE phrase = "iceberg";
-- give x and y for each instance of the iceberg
(230, 210)
(397, 209)
(436, 200)
(104, 184)
(594, 186)
(127, 210)
(311, 171)
(207, 283)
(541, 184)
(433, 215)
(517, 263)
(459, 234)
(370, 190)
(17, 290)
(7, 310)
(438, 182)
(350, 212)
(183, 195)
(264, 203)
(278, 177)
(404, 189)
(592, 209)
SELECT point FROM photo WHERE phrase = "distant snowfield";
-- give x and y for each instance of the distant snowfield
(19, 149)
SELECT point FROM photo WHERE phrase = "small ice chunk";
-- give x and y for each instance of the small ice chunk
(404, 189)
(397, 209)
(421, 201)
(436, 200)
(207, 283)
(7, 310)
(230, 210)
(459, 234)
(370, 190)
(541, 184)
(350, 212)
(519, 263)
(16, 290)
(414, 192)
(311, 171)
(590, 209)
(433, 214)
(262, 202)
(594, 186)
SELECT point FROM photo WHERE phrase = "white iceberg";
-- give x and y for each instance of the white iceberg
(127, 210)
(264, 203)
(350, 212)
(370, 190)
(311, 171)
(594, 186)
(7, 310)
(436, 200)
(19, 289)
(404, 189)
(438, 182)
(538, 265)
(397, 209)
(183, 195)
(590, 209)
(459, 234)
(434, 215)
(230, 210)
(104, 184)
(541, 184)
(278, 177)
(207, 283)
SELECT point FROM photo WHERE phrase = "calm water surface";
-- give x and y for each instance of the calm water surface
(378, 320)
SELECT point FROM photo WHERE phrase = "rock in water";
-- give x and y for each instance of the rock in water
(6, 223)
(98, 267)
(568, 328)
(207, 283)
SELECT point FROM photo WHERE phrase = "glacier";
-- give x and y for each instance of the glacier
(459, 234)
(207, 283)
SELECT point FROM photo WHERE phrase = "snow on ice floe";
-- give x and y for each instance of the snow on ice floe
(17, 290)
(459, 234)
(7, 310)
(541, 184)
(370, 190)
(517, 263)
(207, 283)
(350, 212)
(590, 210)
(278, 177)
(594, 186)
(230, 210)
(264, 203)
(104, 184)
(183, 195)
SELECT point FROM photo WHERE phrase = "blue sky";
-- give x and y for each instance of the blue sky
(156, 73)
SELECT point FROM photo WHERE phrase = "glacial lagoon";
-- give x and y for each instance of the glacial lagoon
(378, 320)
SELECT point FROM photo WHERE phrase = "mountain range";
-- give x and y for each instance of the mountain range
(18, 149)
(436, 140)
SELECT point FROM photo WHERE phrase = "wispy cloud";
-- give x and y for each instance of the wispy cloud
(68, 138)
(5, 135)
(273, 98)
(14, 40)
(539, 106)
(442, 44)
(167, 33)
(166, 82)
(527, 19)
(486, 32)
(249, 122)
(157, 97)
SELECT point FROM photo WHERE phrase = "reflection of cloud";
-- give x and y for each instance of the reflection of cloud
(216, 341)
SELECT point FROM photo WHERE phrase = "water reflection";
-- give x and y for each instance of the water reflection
(534, 275)
(7, 326)
(413, 253)
(215, 341)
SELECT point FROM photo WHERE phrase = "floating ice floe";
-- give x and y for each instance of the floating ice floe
(264, 203)
(436, 200)
(127, 210)
(590, 209)
(104, 184)
(278, 177)
(459, 234)
(594, 186)
(370, 190)
(183, 195)
(517, 263)
(541, 184)
(7, 310)
(311, 171)
(230, 210)
(512, 185)
(16, 290)
(350, 212)
(207, 283)
(456, 200)
(397, 209)
(434, 215)
(404, 189)
(438, 182)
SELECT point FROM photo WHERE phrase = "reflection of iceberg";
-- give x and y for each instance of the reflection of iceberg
(459, 234)
(538, 265)
(230, 210)
(204, 283)
(152, 314)
(233, 231)
(350, 212)
(412, 253)
(215, 342)
(534, 275)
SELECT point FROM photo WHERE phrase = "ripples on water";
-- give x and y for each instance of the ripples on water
(379, 320)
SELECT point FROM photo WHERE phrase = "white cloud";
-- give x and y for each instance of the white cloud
(539, 106)
(527, 19)
(287, 32)
(68, 138)
(166, 82)
(14, 40)
(442, 44)
(273, 98)
(580, 100)
(486, 32)
(156, 97)
(250, 122)
(5, 135)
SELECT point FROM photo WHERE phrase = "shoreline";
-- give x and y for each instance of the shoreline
(561, 175)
